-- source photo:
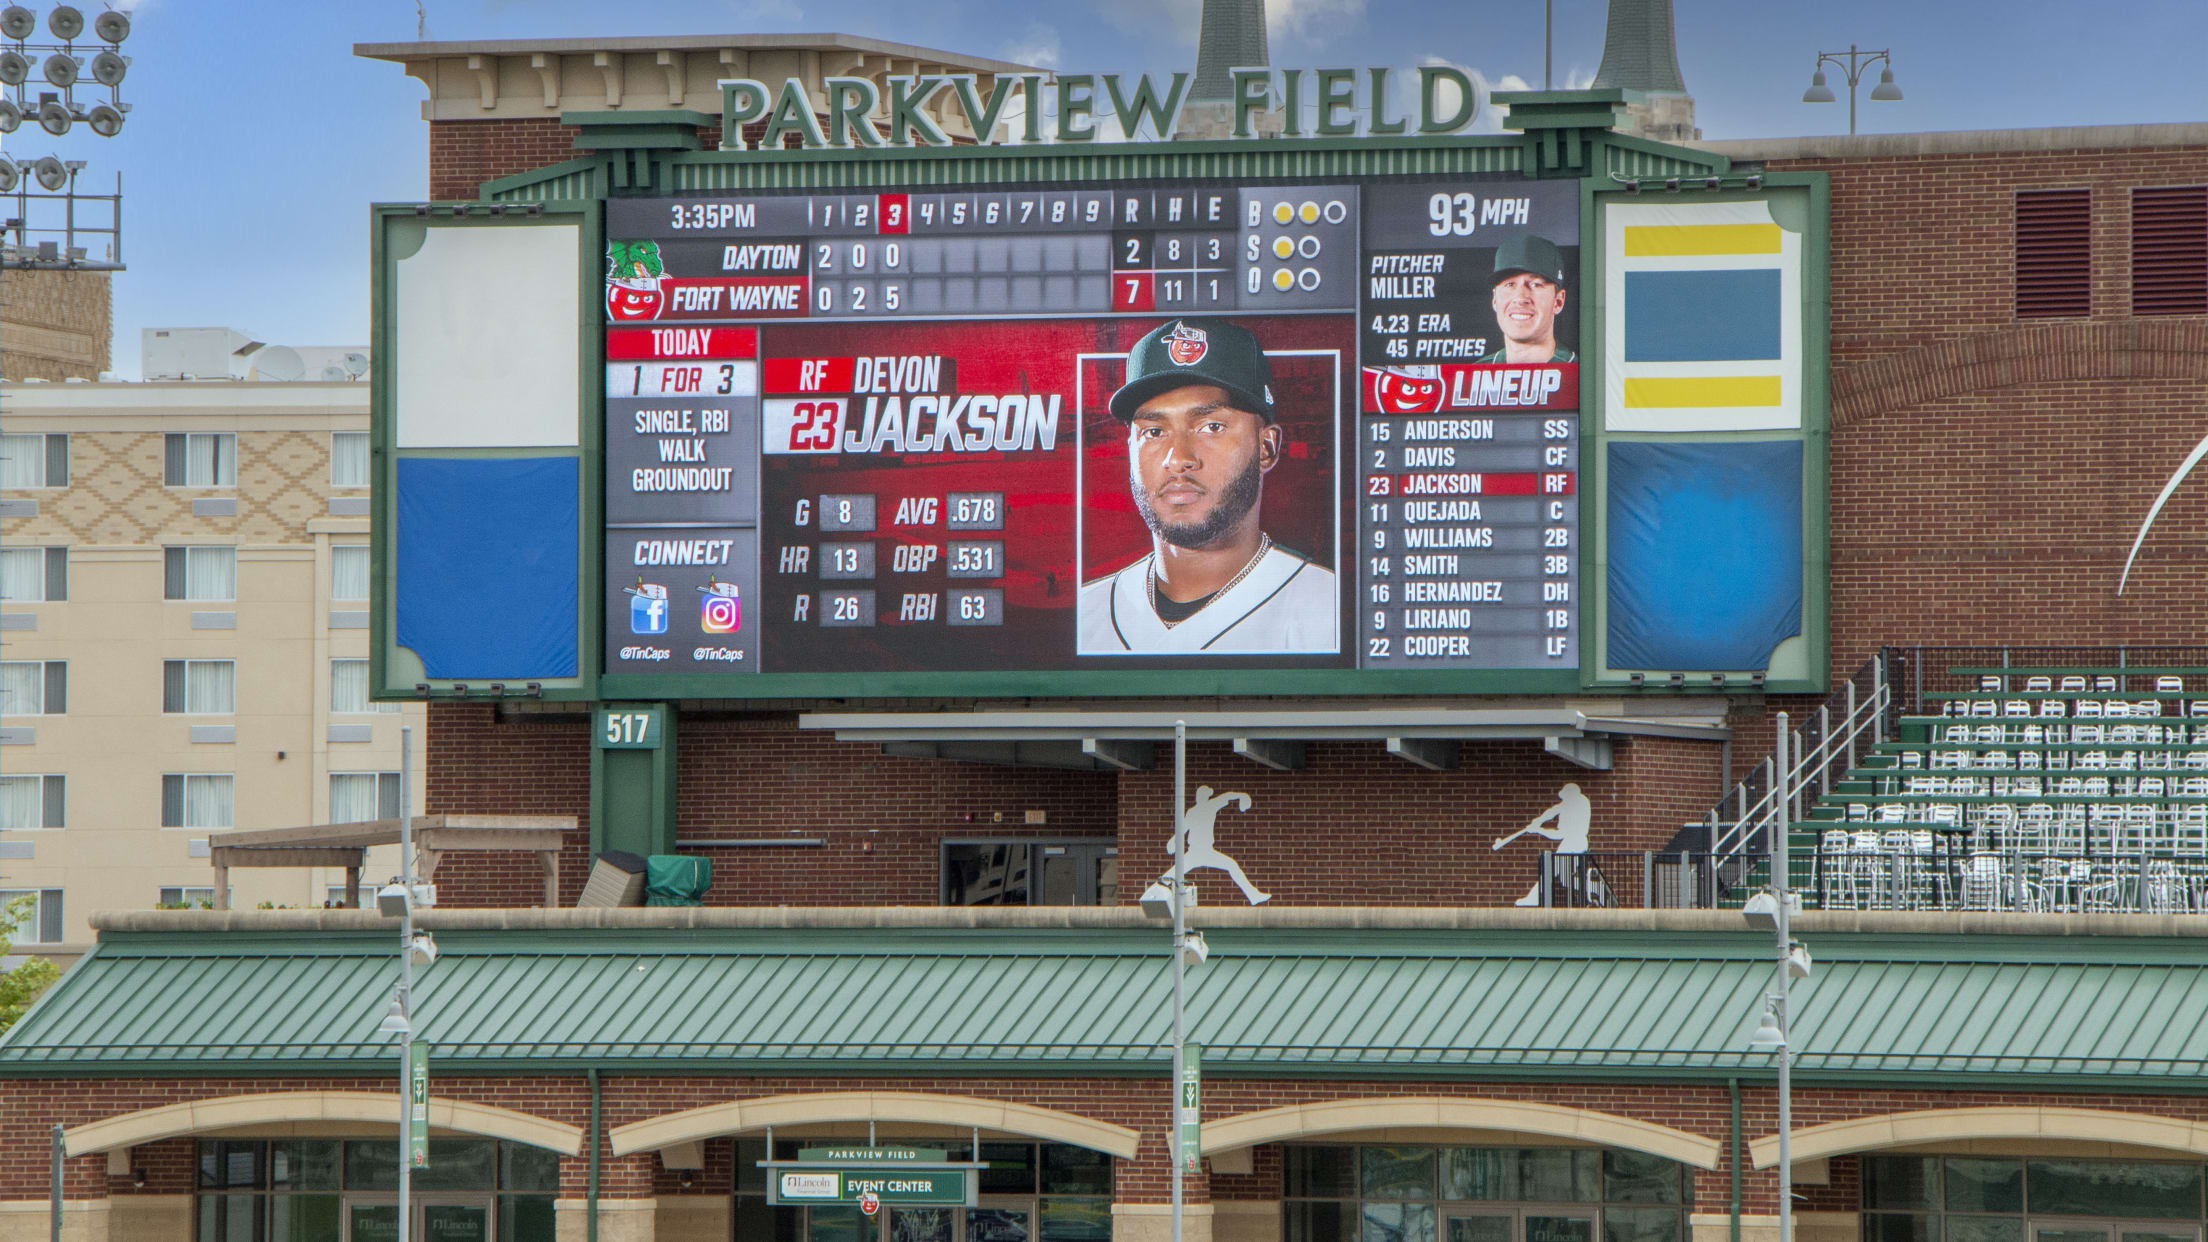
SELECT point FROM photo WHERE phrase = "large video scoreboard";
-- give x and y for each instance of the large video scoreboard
(873, 432)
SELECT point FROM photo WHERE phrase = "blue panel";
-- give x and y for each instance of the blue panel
(1727, 316)
(1705, 544)
(486, 568)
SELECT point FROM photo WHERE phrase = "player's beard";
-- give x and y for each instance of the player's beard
(1236, 502)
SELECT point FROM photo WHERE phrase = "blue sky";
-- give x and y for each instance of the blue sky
(257, 139)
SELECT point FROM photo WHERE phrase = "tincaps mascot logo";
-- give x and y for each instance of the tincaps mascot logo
(1186, 346)
(634, 274)
(1404, 390)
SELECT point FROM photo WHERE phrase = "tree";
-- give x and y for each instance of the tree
(21, 986)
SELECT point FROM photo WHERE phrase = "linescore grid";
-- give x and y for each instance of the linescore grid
(871, 432)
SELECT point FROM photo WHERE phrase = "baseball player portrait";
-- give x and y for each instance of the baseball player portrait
(1202, 434)
(1529, 294)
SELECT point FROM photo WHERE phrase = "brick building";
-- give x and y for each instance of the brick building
(924, 926)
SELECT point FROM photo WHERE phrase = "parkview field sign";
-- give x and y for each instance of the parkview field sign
(1063, 108)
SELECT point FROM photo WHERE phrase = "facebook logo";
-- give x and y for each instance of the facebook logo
(647, 609)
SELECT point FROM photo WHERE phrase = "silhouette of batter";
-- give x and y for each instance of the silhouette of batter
(1574, 817)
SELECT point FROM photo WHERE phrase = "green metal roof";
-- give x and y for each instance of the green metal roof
(2102, 1011)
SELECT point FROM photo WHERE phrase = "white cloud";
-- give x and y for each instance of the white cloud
(1309, 20)
(1037, 45)
(1489, 120)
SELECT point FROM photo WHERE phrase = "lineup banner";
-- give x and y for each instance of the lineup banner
(1064, 429)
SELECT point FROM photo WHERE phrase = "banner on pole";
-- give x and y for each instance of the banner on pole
(417, 1105)
(1192, 1088)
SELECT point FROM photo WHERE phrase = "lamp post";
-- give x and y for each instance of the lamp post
(1775, 909)
(1170, 897)
(1854, 65)
(397, 898)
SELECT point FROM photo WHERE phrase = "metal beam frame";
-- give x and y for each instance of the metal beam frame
(1279, 754)
(1435, 753)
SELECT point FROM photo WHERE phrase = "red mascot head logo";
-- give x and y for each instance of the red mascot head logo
(1407, 390)
(634, 275)
(1186, 346)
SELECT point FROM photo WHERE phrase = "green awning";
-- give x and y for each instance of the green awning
(1336, 1003)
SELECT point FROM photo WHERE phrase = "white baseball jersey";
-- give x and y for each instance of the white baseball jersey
(1284, 604)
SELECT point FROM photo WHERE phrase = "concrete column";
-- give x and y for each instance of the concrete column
(619, 1220)
(1153, 1222)
(696, 1218)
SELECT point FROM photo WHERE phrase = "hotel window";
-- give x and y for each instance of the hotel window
(34, 575)
(187, 898)
(34, 687)
(199, 459)
(34, 460)
(348, 459)
(41, 916)
(349, 572)
(199, 687)
(349, 690)
(356, 797)
(33, 802)
(199, 800)
(199, 573)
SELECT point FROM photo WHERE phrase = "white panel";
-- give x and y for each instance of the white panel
(487, 328)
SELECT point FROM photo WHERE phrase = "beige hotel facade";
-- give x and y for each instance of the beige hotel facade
(183, 641)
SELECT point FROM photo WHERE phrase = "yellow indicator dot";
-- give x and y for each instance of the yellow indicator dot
(1310, 213)
(1283, 213)
(1284, 280)
(1284, 249)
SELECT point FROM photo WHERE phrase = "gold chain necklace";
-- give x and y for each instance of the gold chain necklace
(1264, 545)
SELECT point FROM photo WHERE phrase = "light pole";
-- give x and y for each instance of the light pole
(1170, 897)
(1857, 61)
(1775, 909)
(397, 898)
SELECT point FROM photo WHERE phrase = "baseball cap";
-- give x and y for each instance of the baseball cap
(1181, 352)
(1527, 253)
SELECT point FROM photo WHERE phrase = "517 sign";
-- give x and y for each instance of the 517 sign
(630, 728)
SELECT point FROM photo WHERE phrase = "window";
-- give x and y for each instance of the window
(2169, 251)
(206, 573)
(34, 687)
(199, 459)
(1031, 1192)
(41, 917)
(199, 800)
(1338, 1193)
(349, 690)
(349, 572)
(2008, 1199)
(199, 687)
(1074, 872)
(32, 802)
(309, 1190)
(34, 461)
(359, 796)
(34, 575)
(186, 898)
(348, 459)
(2054, 253)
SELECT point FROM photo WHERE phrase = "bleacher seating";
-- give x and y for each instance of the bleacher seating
(2044, 790)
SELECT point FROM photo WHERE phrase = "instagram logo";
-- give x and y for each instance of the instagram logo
(720, 611)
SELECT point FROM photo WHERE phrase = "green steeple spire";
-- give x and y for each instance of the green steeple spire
(1640, 52)
(1232, 37)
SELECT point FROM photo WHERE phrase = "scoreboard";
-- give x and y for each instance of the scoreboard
(872, 432)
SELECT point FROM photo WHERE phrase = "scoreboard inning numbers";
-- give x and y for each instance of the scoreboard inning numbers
(876, 433)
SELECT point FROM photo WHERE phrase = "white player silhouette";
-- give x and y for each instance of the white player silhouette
(1196, 835)
(1574, 818)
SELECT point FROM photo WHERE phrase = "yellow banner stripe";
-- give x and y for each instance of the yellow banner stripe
(1697, 392)
(1650, 241)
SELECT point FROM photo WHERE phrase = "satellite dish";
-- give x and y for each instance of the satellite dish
(111, 26)
(65, 22)
(356, 365)
(280, 364)
(17, 22)
(334, 374)
(108, 68)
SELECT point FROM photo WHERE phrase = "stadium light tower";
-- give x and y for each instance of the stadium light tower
(61, 69)
(1857, 62)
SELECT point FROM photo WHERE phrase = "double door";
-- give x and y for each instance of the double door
(1011, 1223)
(1531, 1224)
(437, 1218)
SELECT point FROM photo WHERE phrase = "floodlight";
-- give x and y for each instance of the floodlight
(53, 118)
(52, 174)
(1157, 900)
(1797, 960)
(61, 69)
(1768, 1036)
(1761, 910)
(11, 117)
(104, 120)
(15, 68)
(1886, 90)
(391, 900)
(8, 176)
(394, 1020)
(111, 26)
(65, 22)
(108, 68)
(422, 949)
(1818, 92)
(1194, 950)
(17, 22)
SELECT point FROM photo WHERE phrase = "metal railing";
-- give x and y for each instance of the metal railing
(1630, 879)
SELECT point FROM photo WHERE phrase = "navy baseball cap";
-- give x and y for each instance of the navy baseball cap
(1182, 352)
